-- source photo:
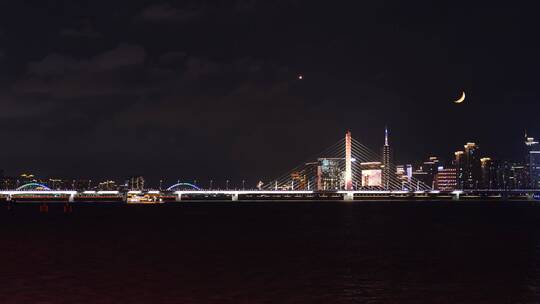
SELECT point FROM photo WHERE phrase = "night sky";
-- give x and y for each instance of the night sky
(210, 90)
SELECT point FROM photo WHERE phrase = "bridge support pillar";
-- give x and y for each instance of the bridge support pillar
(234, 197)
(178, 197)
(455, 197)
(530, 196)
(8, 198)
(72, 198)
(348, 196)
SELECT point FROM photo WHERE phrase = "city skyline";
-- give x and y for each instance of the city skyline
(469, 168)
(129, 87)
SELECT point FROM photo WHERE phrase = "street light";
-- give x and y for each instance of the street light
(211, 182)
(243, 185)
(227, 187)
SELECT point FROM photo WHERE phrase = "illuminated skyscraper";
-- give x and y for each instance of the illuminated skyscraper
(459, 164)
(532, 162)
(329, 174)
(489, 173)
(386, 157)
(404, 176)
(472, 171)
(136, 183)
(445, 179)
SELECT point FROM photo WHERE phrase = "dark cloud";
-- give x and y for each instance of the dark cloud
(14, 109)
(107, 73)
(167, 13)
(55, 64)
(84, 32)
(172, 58)
(123, 55)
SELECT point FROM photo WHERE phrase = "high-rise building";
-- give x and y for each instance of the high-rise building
(425, 171)
(512, 176)
(404, 176)
(472, 172)
(459, 164)
(329, 174)
(489, 173)
(372, 174)
(445, 179)
(532, 161)
(108, 185)
(136, 183)
(81, 184)
(298, 180)
(386, 161)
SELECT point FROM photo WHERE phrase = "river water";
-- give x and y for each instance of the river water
(327, 252)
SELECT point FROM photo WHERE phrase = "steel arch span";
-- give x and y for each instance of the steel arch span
(171, 188)
(33, 186)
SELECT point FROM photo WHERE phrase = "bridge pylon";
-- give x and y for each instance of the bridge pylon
(348, 161)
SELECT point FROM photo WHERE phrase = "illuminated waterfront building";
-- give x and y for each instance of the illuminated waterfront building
(372, 174)
(471, 174)
(27, 178)
(489, 173)
(459, 164)
(532, 162)
(81, 184)
(445, 179)
(329, 174)
(8, 182)
(426, 171)
(512, 176)
(404, 175)
(136, 183)
(58, 184)
(298, 180)
(108, 185)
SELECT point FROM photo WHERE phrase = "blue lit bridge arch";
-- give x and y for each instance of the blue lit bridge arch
(33, 186)
(180, 186)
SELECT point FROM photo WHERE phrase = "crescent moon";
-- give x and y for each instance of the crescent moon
(461, 99)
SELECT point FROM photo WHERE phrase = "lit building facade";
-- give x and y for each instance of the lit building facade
(459, 164)
(329, 174)
(533, 162)
(488, 170)
(471, 175)
(445, 179)
(512, 176)
(299, 180)
(425, 172)
(371, 174)
(404, 176)
(136, 183)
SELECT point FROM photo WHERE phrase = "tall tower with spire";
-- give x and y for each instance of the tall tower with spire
(386, 165)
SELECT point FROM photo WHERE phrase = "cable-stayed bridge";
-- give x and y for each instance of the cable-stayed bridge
(346, 165)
